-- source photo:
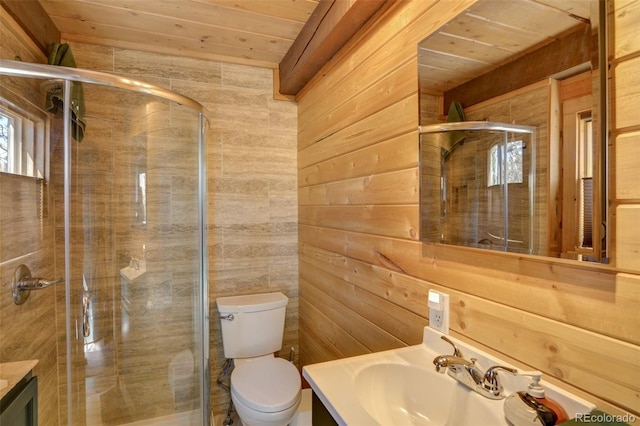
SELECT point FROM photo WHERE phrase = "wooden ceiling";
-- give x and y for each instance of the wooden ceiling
(299, 36)
(255, 32)
(492, 33)
(295, 37)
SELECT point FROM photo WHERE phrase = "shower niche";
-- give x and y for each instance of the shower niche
(477, 185)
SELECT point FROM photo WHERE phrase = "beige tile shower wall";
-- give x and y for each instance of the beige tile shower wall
(252, 177)
(364, 275)
(27, 331)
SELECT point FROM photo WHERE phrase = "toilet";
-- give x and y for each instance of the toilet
(265, 390)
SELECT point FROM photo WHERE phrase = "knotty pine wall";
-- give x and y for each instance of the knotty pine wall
(364, 275)
(625, 126)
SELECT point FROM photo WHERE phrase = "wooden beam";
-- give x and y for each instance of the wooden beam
(572, 51)
(329, 28)
(34, 21)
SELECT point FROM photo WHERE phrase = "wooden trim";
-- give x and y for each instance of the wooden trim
(14, 28)
(34, 21)
(276, 88)
(561, 55)
(330, 27)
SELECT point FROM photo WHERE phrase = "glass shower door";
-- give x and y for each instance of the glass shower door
(118, 214)
(134, 247)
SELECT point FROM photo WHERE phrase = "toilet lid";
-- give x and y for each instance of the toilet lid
(266, 385)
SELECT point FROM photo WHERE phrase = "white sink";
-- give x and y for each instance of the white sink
(401, 394)
(401, 387)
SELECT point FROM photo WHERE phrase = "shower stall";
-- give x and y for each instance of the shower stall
(103, 183)
(478, 186)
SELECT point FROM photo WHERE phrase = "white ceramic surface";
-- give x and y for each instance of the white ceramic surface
(400, 394)
(401, 387)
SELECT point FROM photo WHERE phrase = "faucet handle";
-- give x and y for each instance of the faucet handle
(491, 383)
(456, 351)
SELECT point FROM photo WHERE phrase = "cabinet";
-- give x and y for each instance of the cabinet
(19, 403)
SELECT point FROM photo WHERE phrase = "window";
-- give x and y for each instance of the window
(513, 163)
(585, 179)
(22, 142)
(5, 128)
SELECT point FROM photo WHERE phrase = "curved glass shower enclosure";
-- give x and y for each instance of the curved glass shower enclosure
(113, 202)
(478, 185)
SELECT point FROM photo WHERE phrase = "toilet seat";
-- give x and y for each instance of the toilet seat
(266, 385)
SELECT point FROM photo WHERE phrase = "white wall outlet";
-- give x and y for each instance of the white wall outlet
(438, 304)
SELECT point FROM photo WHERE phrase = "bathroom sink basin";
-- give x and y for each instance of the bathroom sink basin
(402, 387)
(408, 395)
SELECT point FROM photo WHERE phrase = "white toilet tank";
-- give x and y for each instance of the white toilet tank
(257, 326)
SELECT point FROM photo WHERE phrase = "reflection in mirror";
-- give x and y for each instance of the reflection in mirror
(484, 176)
(24, 136)
(527, 63)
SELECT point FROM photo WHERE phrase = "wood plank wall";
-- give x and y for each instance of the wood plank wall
(364, 275)
(625, 127)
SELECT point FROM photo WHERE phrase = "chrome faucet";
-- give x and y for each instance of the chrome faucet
(466, 372)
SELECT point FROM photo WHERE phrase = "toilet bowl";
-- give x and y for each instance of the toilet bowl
(265, 390)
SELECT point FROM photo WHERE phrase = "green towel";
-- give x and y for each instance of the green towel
(61, 55)
(456, 114)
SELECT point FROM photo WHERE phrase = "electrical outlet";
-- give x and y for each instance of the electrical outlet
(439, 311)
(435, 317)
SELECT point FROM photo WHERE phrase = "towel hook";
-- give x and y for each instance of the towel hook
(23, 283)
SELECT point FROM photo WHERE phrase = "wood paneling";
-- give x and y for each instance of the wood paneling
(247, 32)
(625, 34)
(626, 89)
(358, 255)
(481, 53)
(625, 141)
(385, 188)
(330, 27)
(393, 154)
(627, 171)
(565, 53)
(35, 21)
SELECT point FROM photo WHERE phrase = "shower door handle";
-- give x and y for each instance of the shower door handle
(86, 324)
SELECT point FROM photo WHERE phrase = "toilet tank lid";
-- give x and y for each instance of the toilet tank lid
(251, 302)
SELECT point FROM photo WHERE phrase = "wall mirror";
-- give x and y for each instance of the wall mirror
(512, 149)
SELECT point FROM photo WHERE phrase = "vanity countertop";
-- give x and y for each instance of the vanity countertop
(13, 372)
